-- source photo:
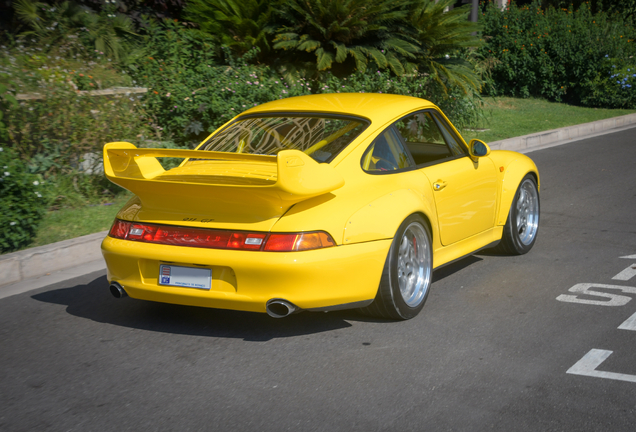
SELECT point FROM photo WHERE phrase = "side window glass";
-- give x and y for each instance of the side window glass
(424, 138)
(455, 147)
(420, 128)
(386, 153)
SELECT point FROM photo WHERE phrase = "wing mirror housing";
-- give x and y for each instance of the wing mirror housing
(478, 149)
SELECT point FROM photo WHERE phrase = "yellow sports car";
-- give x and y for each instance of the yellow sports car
(315, 203)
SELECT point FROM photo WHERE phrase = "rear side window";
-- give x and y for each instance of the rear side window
(420, 128)
(386, 154)
(428, 138)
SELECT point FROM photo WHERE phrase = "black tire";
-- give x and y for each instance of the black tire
(403, 288)
(522, 225)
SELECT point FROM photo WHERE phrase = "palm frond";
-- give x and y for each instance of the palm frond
(324, 59)
(27, 12)
(394, 64)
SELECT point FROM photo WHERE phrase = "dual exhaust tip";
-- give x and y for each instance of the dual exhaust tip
(276, 308)
(279, 308)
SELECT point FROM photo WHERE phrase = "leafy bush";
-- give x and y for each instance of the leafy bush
(59, 132)
(561, 55)
(108, 31)
(23, 202)
(57, 125)
(190, 94)
(349, 34)
(239, 25)
(187, 104)
(461, 108)
(56, 132)
(345, 36)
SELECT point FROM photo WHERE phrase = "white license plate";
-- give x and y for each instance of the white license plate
(188, 277)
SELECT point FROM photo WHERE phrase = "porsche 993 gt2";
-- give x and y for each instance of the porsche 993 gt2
(316, 203)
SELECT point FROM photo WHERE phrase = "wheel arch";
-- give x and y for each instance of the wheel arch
(514, 173)
(428, 223)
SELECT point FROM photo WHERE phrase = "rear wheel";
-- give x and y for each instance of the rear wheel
(407, 273)
(522, 226)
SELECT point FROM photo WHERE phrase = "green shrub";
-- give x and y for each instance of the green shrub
(59, 132)
(187, 104)
(107, 32)
(463, 109)
(23, 202)
(191, 94)
(59, 125)
(561, 55)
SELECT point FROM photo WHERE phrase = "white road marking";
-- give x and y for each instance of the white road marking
(630, 257)
(626, 274)
(629, 323)
(593, 359)
(584, 288)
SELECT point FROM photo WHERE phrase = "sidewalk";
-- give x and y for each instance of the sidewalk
(37, 267)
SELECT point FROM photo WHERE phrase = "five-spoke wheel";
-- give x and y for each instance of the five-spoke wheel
(407, 274)
(520, 231)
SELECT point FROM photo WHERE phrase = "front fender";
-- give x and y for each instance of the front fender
(516, 167)
(381, 218)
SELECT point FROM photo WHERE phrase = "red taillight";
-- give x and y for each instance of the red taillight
(119, 229)
(219, 239)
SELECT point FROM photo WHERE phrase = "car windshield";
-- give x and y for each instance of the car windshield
(320, 137)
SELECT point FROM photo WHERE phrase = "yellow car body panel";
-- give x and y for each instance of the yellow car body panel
(514, 167)
(466, 197)
(290, 192)
(382, 217)
(246, 280)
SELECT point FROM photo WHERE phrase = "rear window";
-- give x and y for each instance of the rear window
(320, 137)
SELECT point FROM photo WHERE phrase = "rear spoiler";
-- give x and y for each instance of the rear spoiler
(299, 177)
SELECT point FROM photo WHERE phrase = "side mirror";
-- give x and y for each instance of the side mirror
(478, 149)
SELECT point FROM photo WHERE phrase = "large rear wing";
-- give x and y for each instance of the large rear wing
(298, 177)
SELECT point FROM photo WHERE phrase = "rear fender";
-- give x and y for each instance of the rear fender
(381, 218)
(514, 172)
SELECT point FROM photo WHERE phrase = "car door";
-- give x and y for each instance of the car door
(465, 191)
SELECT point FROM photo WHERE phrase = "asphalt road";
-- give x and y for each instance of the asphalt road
(490, 351)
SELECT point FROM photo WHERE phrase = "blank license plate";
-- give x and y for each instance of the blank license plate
(187, 277)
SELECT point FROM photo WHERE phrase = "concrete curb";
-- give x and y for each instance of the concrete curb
(39, 261)
(537, 141)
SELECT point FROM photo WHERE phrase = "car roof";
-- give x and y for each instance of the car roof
(373, 106)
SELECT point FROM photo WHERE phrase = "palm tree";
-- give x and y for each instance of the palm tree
(443, 37)
(347, 34)
(110, 33)
(240, 25)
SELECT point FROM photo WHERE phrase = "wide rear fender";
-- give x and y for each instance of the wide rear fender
(381, 218)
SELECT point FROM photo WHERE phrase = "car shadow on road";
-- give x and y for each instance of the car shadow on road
(93, 301)
(456, 266)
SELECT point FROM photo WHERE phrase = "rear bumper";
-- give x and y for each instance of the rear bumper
(246, 280)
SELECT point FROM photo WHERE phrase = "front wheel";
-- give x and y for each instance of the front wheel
(407, 274)
(522, 226)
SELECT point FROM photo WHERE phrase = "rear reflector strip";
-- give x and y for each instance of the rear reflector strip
(219, 239)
